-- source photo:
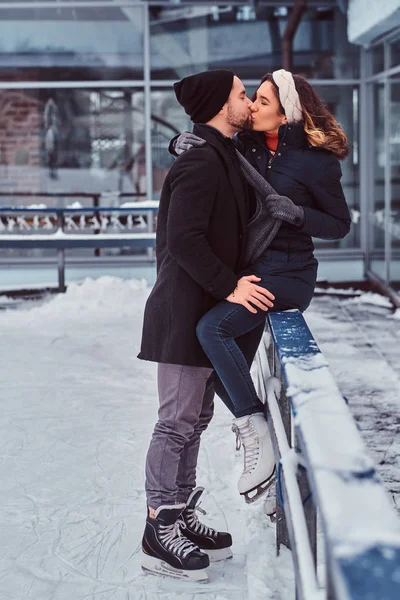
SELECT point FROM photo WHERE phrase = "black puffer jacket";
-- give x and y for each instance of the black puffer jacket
(310, 177)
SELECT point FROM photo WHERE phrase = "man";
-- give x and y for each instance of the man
(201, 233)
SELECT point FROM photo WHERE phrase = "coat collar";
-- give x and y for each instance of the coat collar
(227, 151)
(293, 134)
(214, 137)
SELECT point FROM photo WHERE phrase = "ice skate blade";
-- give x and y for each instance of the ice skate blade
(271, 514)
(270, 503)
(163, 569)
(220, 554)
(260, 490)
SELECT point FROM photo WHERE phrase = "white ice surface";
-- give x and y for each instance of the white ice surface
(373, 299)
(361, 343)
(78, 410)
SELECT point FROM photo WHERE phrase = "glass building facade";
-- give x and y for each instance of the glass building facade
(382, 169)
(87, 106)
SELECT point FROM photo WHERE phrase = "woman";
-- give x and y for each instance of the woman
(295, 144)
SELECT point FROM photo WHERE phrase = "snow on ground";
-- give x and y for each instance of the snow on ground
(360, 338)
(78, 410)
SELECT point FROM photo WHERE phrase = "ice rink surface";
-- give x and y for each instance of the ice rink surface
(77, 413)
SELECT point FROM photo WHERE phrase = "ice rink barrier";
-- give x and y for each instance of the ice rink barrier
(325, 476)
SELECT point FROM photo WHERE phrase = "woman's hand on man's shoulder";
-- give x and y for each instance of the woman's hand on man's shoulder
(186, 141)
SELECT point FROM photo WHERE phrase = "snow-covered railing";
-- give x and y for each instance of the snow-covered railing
(58, 221)
(324, 469)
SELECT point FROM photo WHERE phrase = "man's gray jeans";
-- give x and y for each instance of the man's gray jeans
(186, 397)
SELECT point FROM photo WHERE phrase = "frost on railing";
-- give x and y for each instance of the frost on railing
(319, 450)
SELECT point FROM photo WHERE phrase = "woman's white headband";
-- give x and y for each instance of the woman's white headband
(288, 95)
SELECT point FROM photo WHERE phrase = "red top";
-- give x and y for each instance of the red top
(271, 139)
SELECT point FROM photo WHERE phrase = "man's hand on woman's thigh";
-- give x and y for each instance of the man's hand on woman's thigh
(247, 292)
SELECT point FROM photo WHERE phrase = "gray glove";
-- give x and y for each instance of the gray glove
(282, 207)
(186, 141)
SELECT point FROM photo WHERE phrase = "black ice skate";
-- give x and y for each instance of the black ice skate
(166, 550)
(216, 544)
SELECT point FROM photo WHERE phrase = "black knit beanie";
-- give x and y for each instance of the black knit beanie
(204, 94)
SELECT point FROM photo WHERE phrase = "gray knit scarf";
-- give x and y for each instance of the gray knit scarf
(261, 228)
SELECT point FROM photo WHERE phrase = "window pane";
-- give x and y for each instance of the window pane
(168, 119)
(59, 44)
(395, 53)
(343, 102)
(78, 147)
(377, 216)
(377, 59)
(72, 141)
(188, 39)
(395, 181)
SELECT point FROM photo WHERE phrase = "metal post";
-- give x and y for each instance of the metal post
(387, 179)
(366, 170)
(282, 534)
(96, 204)
(330, 592)
(388, 167)
(309, 508)
(287, 42)
(61, 255)
(61, 270)
(147, 119)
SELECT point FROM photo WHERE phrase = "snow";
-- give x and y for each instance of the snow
(78, 410)
(373, 299)
(145, 204)
(33, 206)
(289, 462)
(347, 499)
(331, 291)
(361, 343)
(368, 19)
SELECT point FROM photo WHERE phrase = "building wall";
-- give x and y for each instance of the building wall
(19, 142)
(114, 113)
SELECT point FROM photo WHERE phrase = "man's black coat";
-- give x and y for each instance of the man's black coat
(201, 232)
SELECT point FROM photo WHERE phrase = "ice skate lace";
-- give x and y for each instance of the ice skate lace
(249, 438)
(173, 539)
(196, 525)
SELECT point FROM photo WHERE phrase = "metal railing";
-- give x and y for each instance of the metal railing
(61, 240)
(323, 468)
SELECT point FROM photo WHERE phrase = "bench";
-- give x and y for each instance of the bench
(62, 241)
(323, 467)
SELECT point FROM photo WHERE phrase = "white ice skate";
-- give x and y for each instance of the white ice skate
(259, 461)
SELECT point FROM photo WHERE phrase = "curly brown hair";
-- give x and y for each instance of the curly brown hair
(320, 125)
